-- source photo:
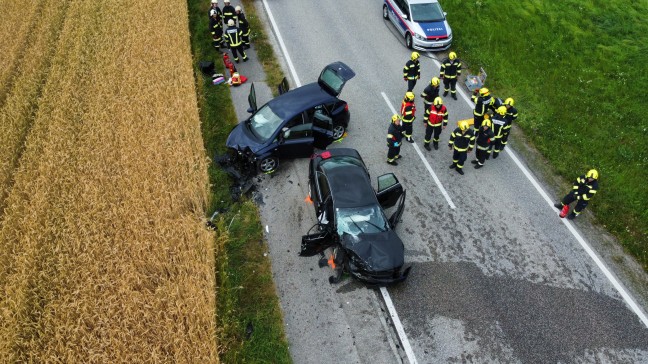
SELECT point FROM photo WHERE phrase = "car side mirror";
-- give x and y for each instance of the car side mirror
(445, 14)
(285, 133)
(405, 16)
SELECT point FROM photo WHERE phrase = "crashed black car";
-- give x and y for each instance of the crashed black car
(351, 219)
(294, 123)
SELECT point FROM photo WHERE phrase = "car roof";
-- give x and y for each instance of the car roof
(421, 1)
(349, 183)
(302, 98)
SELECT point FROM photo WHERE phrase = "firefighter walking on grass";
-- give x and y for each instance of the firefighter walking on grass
(408, 113)
(450, 71)
(483, 138)
(582, 191)
(511, 116)
(234, 37)
(412, 71)
(436, 119)
(394, 138)
(462, 140)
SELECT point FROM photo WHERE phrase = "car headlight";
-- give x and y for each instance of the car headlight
(420, 37)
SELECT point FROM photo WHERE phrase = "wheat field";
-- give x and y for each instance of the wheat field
(104, 255)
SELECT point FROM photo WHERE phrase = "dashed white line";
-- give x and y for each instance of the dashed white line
(425, 162)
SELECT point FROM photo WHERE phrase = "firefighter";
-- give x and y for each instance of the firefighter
(450, 71)
(481, 106)
(408, 113)
(229, 13)
(216, 25)
(234, 37)
(394, 138)
(412, 71)
(583, 190)
(483, 138)
(436, 118)
(511, 116)
(214, 6)
(499, 121)
(244, 25)
(462, 141)
(431, 92)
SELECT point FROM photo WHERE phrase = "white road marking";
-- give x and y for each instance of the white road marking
(626, 297)
(399, 326)
(282, 45)
(425, 162)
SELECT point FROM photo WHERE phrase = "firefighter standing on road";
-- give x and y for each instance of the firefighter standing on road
(462, 141)
(583, 190)
(216, 25)
(412, 71)
(229, 13)
(511, 116)
(408, 113)
(450, 71)
(394, 138)
(481, 106)
(431, 92)
(244, 25)
(499, 121)
(483, 137)
(234, 37)
(436, 118)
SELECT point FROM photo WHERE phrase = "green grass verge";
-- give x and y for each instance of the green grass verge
(245, 291)
(577, 72)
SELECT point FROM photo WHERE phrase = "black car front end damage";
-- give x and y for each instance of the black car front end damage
(241, 166)
(376, 259)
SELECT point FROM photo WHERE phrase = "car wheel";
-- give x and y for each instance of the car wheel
(385, 13)
(338, 132)
(268, 164)
(408, 41)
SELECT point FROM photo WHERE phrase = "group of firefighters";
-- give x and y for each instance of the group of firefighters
(489, 134)
(237, 35)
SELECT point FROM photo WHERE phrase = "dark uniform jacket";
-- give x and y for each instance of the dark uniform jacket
(229, 13)
(511, 115)
(412, 70)
(215, 25)
(408, 111)
(461, 141)
(482, 104)
(583, 189)
(484, 138)
(234, 36)
(394, 134)
(243, 23)
(450, 69)
(498, 122)
(430, 93)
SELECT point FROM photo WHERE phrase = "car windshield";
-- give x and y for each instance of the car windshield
(358, 220)
(264, 123)
(428, 12)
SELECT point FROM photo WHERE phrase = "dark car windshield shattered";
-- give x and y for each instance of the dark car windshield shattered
(264, 123)
(359, 220)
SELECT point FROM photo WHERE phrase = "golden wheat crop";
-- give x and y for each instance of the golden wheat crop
(104, 255)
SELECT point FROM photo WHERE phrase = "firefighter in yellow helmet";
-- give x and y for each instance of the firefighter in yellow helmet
(462, 140)
(412, 71)
(584, 188)
(408, 113)
(511, 116)
(450, 72)
(436, 118)
(431, 92)
(394, 138)
(484, 100)
(498, 121)
(484, 136)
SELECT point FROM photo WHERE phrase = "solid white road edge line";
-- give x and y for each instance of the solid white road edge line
(626, 297)
(399, 326)
(282, 45)
(425, 162)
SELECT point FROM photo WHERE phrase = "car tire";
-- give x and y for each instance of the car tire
(268, 165)
(408, 41)
(338, 131)
(385, 12)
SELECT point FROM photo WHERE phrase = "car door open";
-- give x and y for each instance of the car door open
(322, 130)
(389, 190)
(315, 243)
(252, 100)
(334, 76)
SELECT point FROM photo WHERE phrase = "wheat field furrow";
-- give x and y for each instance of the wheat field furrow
(115, 169)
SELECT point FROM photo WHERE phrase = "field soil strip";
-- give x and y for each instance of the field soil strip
(104, 254)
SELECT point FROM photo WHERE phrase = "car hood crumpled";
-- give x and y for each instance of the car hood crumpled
(379, 252)
(241, 138)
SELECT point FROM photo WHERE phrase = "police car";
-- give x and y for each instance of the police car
(422, 22)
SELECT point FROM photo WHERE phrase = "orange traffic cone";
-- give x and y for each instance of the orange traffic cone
(308, 199)
(564, 211)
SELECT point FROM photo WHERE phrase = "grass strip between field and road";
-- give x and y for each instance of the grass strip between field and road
(249, 319)
(577, 72)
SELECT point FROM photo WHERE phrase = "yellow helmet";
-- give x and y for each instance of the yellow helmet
(452, 55)
(501, 110)
(509, 101)
(592, 173)
(438, 101)
(435, 81)
(395, 118)
(463, 125)
(409, 95)
(484, 91)
(415, 56)
(486, 122)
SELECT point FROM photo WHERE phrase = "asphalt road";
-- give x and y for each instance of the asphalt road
(497, 276)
